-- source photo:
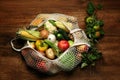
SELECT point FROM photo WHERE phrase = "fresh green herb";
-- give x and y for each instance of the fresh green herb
(94, 31)
(90, 57)
(90, 8)
(101, 22)
(99, 6)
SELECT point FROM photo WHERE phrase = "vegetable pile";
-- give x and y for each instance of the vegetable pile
(51, 39)
(94, 31)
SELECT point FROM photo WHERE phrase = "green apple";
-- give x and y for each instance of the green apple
(70, 42)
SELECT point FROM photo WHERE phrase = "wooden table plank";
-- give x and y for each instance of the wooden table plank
(17, 13)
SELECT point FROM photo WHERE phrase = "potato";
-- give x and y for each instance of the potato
(44, 33)
(50, 53)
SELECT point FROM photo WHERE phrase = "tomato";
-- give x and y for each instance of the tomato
(41, 65)
(96, 28)
(63, 45)
(97, 34)
(90, 19)
(83, 48)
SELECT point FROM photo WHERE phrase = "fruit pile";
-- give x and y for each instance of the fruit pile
(51, 39)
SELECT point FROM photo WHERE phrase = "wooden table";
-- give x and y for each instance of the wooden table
(15, 14)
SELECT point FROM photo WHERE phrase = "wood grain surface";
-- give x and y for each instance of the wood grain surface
(15, 14)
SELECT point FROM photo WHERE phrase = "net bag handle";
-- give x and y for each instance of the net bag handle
(13, 45)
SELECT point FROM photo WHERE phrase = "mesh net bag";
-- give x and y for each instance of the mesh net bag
(67, 60)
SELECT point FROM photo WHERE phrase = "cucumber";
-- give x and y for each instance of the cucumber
(64, 33)
(58, 35)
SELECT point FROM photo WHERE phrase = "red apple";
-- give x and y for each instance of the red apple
(63, 45)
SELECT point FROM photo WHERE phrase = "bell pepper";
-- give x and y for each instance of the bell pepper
(41, 45)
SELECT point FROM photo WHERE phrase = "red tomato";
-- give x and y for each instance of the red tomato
(63, 45)
(83, 48)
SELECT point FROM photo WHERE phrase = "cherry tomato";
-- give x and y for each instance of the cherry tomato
(97, 34)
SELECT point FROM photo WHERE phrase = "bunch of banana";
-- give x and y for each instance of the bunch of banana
(30, 35)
